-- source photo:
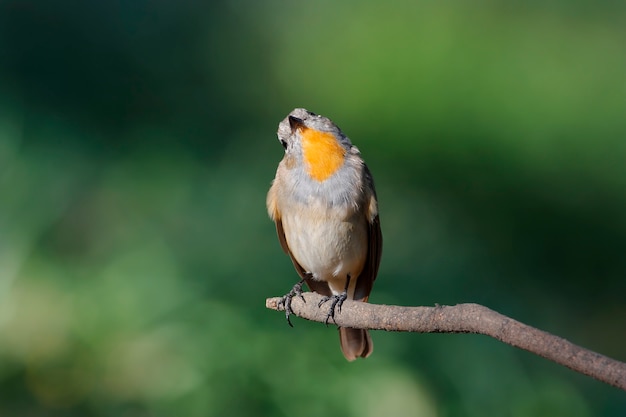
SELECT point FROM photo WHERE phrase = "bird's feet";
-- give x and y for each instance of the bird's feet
(296, 291)
(337, 301)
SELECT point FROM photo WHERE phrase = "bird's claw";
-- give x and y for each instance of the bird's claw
(285, 301)
(336, 303)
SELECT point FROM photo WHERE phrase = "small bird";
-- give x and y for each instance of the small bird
(324, 205)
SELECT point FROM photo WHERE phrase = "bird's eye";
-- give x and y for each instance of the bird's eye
(284, 143)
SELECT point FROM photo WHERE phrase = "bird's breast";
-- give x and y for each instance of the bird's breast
(327, 241)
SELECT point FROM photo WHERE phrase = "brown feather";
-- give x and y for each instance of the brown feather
(366, 278)
(281, 237)
(355, 343)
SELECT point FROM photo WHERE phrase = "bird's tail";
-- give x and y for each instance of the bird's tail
(355, 343)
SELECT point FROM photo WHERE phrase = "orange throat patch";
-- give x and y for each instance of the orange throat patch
(322, 153)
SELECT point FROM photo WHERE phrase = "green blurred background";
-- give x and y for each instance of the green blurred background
(137, 142)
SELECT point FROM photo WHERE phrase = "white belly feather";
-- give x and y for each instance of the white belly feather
(330, 243)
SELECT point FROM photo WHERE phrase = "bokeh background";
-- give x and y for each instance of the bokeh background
(137, 142)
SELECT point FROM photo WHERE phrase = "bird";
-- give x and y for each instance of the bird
(324, 205)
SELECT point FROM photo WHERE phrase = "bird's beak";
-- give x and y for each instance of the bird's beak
(295, 123)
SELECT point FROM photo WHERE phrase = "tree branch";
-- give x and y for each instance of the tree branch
(462, 318)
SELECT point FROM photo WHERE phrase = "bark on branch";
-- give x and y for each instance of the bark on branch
(462, 318)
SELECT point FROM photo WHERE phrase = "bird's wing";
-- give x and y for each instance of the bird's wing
(365, 281)
(375, 245)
